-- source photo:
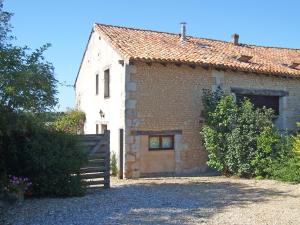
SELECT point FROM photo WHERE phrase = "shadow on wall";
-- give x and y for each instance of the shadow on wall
(173, 203)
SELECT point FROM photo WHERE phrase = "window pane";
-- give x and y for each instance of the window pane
(97, 84)
(154, 142)
(106, 83)
(167, 142)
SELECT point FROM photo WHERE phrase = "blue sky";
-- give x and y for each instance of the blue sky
(66, 25)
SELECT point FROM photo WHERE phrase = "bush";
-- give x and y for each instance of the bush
(296, 145)
(288, 171)
(113, 165)
(50, 159)
(71, 121)
(240, 139)
(271, 148)
(288, 168)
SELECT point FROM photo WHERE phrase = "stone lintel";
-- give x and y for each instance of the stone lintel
(161, 132)
(265, 92)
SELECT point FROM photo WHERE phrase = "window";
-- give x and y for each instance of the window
(97, 84)
(161, 142)
(106, 83)
(260, 101)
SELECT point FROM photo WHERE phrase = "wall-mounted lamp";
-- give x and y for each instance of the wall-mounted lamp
(102, 115)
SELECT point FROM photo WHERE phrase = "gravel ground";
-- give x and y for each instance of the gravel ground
(182, 200)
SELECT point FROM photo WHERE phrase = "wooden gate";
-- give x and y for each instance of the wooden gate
(96, 173)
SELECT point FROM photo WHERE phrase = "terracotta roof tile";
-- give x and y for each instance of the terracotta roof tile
(148, 45)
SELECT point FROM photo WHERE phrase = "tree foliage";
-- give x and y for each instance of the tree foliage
(27, 81)
(50, 159)
(296, 145)
(5, 26)
(287, 167)
(71, 121)
(240, 139)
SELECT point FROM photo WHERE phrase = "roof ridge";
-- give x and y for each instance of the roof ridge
(140, 29)
(196, 37)
(245, 44)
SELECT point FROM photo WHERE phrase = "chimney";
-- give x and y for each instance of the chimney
(235, 39)
(183, 31)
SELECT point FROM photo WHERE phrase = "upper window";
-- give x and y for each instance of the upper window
(106, 83)
(161, 142)
(259, 101)
(97, 84)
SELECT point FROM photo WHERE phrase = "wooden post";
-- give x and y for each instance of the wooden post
(107, 159)
(121, 160)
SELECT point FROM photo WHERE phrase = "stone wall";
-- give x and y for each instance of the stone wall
(165, 98)
(169, 97)
(289, 106)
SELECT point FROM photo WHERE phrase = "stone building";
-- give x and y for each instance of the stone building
(146, 88)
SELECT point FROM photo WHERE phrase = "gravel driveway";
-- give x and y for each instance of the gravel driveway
(184, 200)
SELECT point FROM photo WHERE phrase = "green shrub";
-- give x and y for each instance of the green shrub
(286, 170)
(113, 165)
(71, 121)
(50, 159)
(240, 139)
(296, 145)
(271, 147)
(287, 167)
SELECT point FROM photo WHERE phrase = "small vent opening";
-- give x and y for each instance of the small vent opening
(244, 58)
(295, 64)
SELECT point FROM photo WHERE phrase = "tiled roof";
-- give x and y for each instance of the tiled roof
(148, 45)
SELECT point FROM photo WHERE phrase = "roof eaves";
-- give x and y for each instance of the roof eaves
(219, 66)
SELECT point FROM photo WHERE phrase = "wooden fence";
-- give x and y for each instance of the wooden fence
(96, 173)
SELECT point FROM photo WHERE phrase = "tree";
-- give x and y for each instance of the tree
(71, 122)
(5, 26)
(240, 139)
(27, 82)
(50, 159)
